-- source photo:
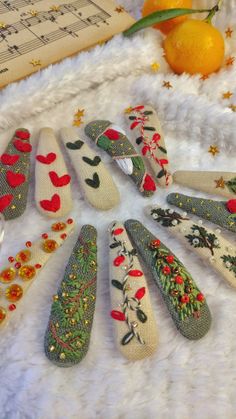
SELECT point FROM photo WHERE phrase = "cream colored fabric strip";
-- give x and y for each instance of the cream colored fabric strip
(24, 268)
(52, 181)
(209, 244)
(94, 178)
(135, 326)
(146, 128)
(215, 183)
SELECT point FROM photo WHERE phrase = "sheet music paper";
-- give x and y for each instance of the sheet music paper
(36, 33)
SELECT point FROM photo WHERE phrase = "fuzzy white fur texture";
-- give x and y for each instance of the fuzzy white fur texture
(183, 379)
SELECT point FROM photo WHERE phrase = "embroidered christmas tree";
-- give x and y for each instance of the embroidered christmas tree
(200, 237)
(230, 262)
(167, 217)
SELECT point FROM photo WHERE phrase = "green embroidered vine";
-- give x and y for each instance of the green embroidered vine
(230, 262)
(202, 239)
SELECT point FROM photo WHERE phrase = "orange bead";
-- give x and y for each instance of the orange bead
(27, 272)
(50, 246)
(2, 314)
(7, 275)
(23, 256)
(58, 226)
(14, 293)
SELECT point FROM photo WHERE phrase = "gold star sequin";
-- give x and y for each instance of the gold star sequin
(120, 9)
(228, 32)
(167, 84)
(204, 77)
(232, 107)
(155, 67)
(55, 8)
(128, 110)
(220, 183)
(213, 149)
(36, 63)
(79, 113)
(78, 117)
(227, 95)
(33, 13)
(229, 61)
(3, 25)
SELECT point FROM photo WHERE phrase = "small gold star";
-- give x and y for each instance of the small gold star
(36, 63)
(79, 113)
(128, 110)
(228, 32)
(77, 122)
(227, 95)
(55, 8)
(213, 150)
(33, 13)
(232, 107)
(229, 61)
(3, 25)
(204, 77)
(155, 67)
(167, 84)
(120, 9)
(220, 183)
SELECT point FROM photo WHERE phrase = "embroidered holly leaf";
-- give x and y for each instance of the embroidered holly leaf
(138, 163)
(115, 244)
(161, 173)
(117, 284)
(149, 128)
(104, 142)
(127, 338)
(230, 263)
(167, 217)
(141, 316)
(139, 140)
(132, 118)
(162, 149)
(148, 113)
(231, 185)
(202, 239)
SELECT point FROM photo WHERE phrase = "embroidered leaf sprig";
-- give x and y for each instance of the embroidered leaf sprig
(231, 185)
(230, 262)
(201, 238)
(167, 217)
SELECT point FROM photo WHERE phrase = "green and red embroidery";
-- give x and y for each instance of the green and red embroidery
(185, 297)
(125, 259)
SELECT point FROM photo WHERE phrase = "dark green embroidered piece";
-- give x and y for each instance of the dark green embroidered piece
(230, 263)
(200, 237)
(214, 211)
(185, 302)
(167, 217)
(92, 162)
(95, 182)
(231, 185)
(69, 328)
(76, 145)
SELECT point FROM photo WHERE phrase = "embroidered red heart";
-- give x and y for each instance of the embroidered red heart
(9, 159)
(48, 159)
(15, 179)
(112, 134)
(52, 205)
(22, 134)
(5, 201)
(23, 147)
(59, 181)
(149, 184)
(231, 205)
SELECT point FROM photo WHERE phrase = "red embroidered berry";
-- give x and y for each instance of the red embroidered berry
(170, 259)
(28, 244)
(140, 293)
(11, 259)
(184, 299)
(118, 315)
(166, 270)
(231, 205)
(155, 243)
(112, 134)
(12, 307)
(17, 265)
(149, 184)
(70, 221)
(63, 236)
(156, 137)
(179, 280)
(38, 266)
(118, 231)
(135, 272)
(23, 135)
(45, 236)
(200, 297)
(145, 150)
(118, 260)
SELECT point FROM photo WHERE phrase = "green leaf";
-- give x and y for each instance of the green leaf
(114, 245)
(127, 338)
(149, 128)
(160, 16)
(138, 163)
(141, 316)
(148, 113)
(231, 185)
(104, 142)
(117, 284)
(161, 173)
(162, 149)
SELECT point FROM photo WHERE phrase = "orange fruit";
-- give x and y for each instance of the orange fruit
(194, 46)
(151, 6)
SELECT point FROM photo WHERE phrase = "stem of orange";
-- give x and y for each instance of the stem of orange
(213, 11)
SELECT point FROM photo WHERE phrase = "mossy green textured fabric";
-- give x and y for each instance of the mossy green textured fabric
(180, 293)
(68, 333)
(214, 211)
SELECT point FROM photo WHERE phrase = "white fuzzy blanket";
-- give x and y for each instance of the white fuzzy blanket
(183, 379)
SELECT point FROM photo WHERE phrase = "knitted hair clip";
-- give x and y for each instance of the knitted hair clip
(147, 131)
(215, 183)
(135, 325)
(208, 244)
(113, 140)
(68, 333)
(94, 178)
(24, 268)
(14, 175)
(52, 181)
(185, 302)
(222, 213)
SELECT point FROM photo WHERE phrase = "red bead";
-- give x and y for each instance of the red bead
(184, 299)
(140, 293)
(45, 236)
(17, 265)
(179, 280)
(118, 231)
(166, 270)
(28, 244)
(135, 272)
(118, 315)
(11, 259)
(38, 266)
(12, 307)
(118, 260)
(70, 221)
(200, 297)
(231, 205)
(63, 236)
(170, 259)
